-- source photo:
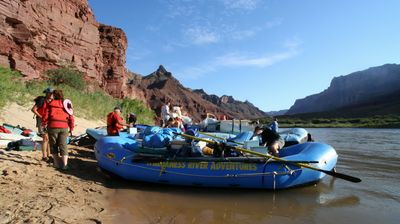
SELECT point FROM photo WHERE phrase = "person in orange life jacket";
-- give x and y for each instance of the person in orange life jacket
(58, 119)
(38, 109)
(115, 122)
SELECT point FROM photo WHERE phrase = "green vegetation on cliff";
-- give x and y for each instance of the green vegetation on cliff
(88, 104)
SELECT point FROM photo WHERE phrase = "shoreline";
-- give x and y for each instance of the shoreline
(33, 191)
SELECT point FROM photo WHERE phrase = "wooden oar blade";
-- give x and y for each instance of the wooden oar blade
(342, 176)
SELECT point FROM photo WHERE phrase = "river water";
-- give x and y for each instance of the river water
(370, 154)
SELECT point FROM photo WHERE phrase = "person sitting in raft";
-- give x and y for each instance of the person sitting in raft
(115, 122)
(177, 110)
(175, 123)
(270, 139)
(274, 125)
(309, 138)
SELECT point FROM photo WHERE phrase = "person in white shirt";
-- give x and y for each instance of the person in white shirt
(165, 114)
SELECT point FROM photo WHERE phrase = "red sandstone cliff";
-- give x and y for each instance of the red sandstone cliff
(37, 35)
(160, 86)
(113, 43)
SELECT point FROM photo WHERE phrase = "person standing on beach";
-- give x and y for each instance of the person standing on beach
(165, 114)
(59, 121)
(115, 122)
(38, 109)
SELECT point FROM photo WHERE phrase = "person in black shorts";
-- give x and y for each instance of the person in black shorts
(38, 109)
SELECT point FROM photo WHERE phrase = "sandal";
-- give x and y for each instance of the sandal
(46, 159)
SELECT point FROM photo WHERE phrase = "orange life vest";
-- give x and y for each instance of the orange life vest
(113, 125)
(57, 116)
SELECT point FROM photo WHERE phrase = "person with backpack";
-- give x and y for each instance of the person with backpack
(58, 119)
(38, 109)
(115, 122)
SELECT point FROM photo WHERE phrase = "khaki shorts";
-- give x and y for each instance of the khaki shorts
(58, 141)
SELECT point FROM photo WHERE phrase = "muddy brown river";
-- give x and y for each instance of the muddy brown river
(370, 154)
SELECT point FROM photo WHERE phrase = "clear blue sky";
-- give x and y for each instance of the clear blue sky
(270, 52)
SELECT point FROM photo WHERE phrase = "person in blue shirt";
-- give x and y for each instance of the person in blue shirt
(274, 125)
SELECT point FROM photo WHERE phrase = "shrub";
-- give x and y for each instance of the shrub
(10, 85)
(66, 75)
(144, 114)
(90, 105)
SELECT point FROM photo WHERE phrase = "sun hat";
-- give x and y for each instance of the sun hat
(68, 106)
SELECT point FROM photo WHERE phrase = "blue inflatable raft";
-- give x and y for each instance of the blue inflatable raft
(125, 157)
(97, 133)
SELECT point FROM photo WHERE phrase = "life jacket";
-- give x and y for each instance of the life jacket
(113, 126)
(180, 124)
(40, 103)
(58, 117)
(4, 130)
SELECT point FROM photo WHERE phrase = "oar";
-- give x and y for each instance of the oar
(328, 172)
(217, 137)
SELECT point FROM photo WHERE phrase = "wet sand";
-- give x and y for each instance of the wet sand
(32, 191)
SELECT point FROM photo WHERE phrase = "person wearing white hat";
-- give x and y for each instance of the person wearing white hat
(59, 121)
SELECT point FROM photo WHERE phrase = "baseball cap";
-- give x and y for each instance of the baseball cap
(48, 90)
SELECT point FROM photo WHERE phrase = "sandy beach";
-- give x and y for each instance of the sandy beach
(21, 115)
(32, 191)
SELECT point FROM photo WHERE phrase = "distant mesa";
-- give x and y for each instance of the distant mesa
(161, 86)
(277, 112)
(372, 91)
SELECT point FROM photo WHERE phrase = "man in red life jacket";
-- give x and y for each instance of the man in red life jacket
(38, 109)
(115, 122)
(58, 120)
